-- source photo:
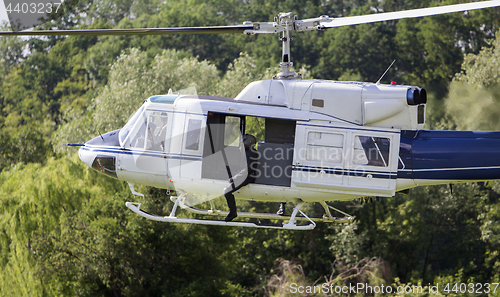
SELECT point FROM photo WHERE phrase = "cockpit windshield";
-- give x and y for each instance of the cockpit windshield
(154, 122)
(130, 124)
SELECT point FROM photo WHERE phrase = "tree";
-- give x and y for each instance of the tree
(65, 231)
(11, 51)
(69, 233)
(474, 97)
(135, 76)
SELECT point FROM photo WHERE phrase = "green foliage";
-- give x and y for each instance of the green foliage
(135, 76)
(26, 145)
(112, 251)
(11, 51)
(64, 229)
(29, 203)
(474, 96)
(430, 223)
(70, 234)
(240, 72)
(346, 243)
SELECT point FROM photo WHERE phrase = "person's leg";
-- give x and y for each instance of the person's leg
(281, 211)
(231, 203)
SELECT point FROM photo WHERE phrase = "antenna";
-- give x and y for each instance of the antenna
(378, 81)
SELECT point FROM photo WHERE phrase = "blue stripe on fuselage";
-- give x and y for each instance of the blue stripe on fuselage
(449, 155)
(139, 153)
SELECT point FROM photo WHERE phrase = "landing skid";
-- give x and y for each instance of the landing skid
(289, 225)
(328, 218)
(135, 207)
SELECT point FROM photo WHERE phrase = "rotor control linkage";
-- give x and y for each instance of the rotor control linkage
(284, 23)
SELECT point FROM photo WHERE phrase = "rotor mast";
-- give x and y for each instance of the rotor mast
(286, 21)
(283, 24)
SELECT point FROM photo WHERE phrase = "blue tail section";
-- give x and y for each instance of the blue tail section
(449, 155)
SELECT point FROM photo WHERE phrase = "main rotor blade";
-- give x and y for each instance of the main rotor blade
(324, 23)
(414, 13)
(144, 31)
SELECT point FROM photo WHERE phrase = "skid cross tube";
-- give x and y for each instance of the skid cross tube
(347, 219)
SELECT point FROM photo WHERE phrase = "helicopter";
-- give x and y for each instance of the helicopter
(323, 140)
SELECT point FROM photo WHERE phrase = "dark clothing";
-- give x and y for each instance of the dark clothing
(243, 178)
(252, 163)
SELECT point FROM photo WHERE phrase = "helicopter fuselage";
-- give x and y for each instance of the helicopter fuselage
(318, 141)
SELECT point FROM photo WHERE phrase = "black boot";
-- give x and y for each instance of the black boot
(231, 203)
(281, 211)
(231, 216)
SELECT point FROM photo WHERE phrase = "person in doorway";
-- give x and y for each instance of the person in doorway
(244, 177)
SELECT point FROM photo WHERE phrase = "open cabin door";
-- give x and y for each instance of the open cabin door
(224, 154)
(223, 151)
(350, 161)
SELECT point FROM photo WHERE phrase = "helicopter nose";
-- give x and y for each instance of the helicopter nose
(86, 156)
(104, 164)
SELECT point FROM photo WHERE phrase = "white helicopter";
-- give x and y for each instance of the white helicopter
(324, 140)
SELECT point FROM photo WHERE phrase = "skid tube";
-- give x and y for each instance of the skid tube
(328, 218)
(290, 225)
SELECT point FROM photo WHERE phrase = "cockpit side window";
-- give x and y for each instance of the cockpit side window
(156, 131)
(124, 132)
(138, 135)
(149, 131)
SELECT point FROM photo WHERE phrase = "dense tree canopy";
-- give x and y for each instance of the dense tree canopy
(64, 229)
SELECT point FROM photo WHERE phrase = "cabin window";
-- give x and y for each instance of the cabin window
(232, 131)
(156, 131)
(372, 151)
(326, 147)
(193, 135)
